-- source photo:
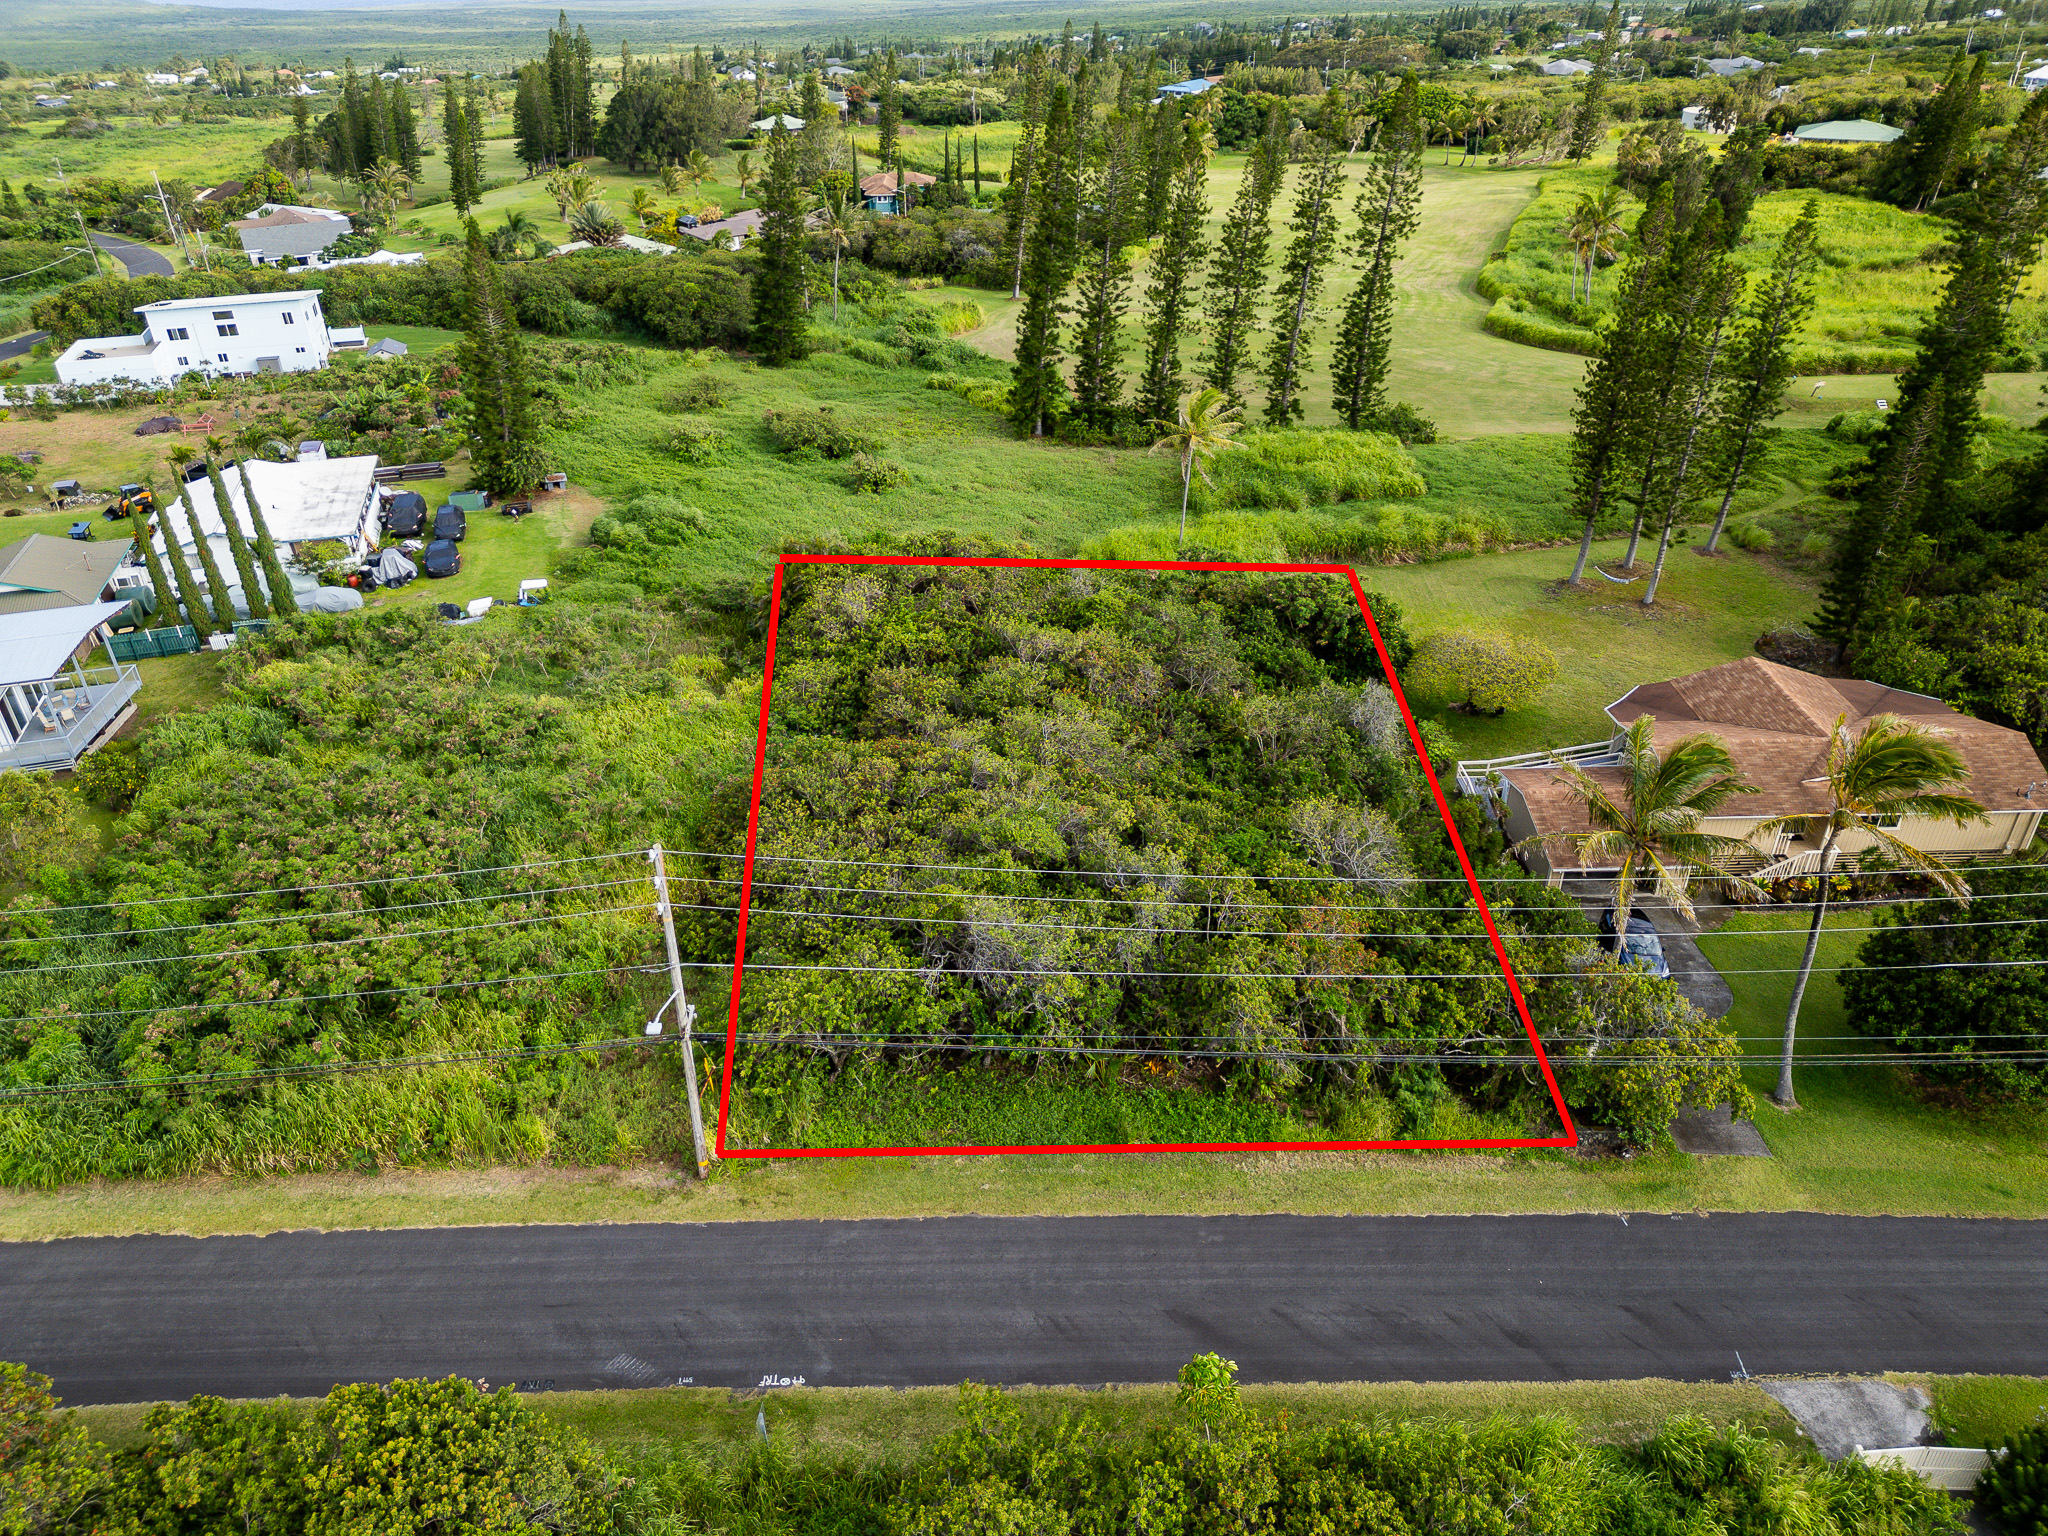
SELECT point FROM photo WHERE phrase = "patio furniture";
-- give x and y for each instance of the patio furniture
(200, 423)
(67, 717)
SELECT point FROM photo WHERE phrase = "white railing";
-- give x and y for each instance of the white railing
(107, 689)
(1475, 774)
(1950, 1467)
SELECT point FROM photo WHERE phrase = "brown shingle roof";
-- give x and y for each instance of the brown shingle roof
(882, 183)
(282, 217)
(1776, 721)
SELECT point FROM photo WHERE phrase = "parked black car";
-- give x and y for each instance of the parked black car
(1642, 947)
(451, 523)
(442, 558)
(407, 514)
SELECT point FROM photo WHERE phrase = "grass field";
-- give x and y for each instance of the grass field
(1881, 275)
(1605, 641)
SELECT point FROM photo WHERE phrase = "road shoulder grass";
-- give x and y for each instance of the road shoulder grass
(884, 1425)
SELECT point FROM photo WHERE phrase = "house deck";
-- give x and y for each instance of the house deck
(97, 710)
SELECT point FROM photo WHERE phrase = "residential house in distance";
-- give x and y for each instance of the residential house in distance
(1776, 722)
(892, 191)
(2034, 79)
(44, 571)
(279, 232)
(238, 333)
(1740, 64)
(310, 502)
(789, 124)
(1566, 67)
(53, 708)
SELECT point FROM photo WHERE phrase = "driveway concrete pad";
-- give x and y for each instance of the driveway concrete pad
(1840, 1415)
(1717, 1133)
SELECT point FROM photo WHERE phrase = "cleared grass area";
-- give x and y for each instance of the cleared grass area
(1708, 611)
(200, 153)
(878, 1424)
(1983, 1410)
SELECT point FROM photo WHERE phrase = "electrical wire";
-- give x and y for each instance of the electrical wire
(322, 914)
(337, 885)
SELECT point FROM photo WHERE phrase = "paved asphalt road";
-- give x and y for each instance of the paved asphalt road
(1077, 1299)
(140, 260)
(21, 345)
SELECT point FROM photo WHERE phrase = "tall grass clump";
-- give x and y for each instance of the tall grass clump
(1292, 471)
(1385, 535)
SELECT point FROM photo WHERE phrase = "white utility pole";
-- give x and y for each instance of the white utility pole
(686, 1015)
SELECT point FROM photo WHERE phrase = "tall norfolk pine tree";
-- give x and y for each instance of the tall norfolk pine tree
(504, 438)
(1386, 216)
(1024, 168)
(238, 543)
(1588, 122)
(1960, 341)
(1760, 366)
(1171, 290)
(1112, 206)
(1314, 231)
(1048, 268)
(1608, 397)
(779, 281)
(1236, 276)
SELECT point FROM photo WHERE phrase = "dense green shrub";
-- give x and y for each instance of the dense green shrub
(872, 475)
(819, 432)
(698, 442)
(1962, 988)
(2013, 1490)
(704, 390)
(1291, 470)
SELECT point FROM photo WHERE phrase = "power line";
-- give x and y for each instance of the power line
(335, 885)
(311, 915)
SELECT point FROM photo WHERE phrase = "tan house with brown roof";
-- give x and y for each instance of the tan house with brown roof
(1776, 721)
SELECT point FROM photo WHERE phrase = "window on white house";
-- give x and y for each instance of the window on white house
(184, 362)
(222, 356)
(288, 317)
(298, 349)
(228, 330)
(180, 334)
(223, 314)
(1883, 823)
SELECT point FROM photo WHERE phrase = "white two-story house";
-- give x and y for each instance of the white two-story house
(237, 333)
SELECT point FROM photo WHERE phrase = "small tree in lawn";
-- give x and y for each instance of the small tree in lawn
(1650, 829)
(1892, 769)
(1487, 673)
(1201, 429)
(1208, 1392)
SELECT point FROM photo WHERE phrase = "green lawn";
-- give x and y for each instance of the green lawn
(1708, 611)
(1983, 1410)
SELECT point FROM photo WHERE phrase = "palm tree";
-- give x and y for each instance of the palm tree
(838, 229)
(700, 167)
(578, 188)
(1481, 118)
(1595, 231)
(518, 233)
(673, 181)
(743, 172)
(1201, 429)
(643, 206)
(1652, 829)
(558, 189)
(384, 186)
(1893, 769)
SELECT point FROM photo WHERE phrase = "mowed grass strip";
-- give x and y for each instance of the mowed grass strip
(883, 1425)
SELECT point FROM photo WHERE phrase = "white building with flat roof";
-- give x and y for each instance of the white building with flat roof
(306, 503)
(237, 333)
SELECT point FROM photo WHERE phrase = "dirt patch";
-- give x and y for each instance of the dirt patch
(568, 514)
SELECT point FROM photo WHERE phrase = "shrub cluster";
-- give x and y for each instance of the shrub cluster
(820, 433)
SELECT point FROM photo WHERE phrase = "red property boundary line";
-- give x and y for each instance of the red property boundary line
(1567, 1139)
